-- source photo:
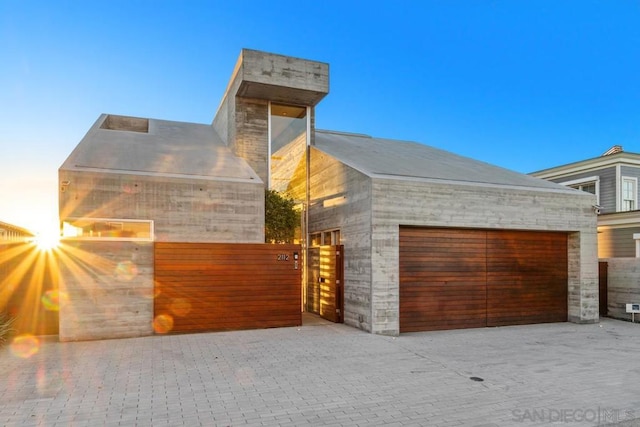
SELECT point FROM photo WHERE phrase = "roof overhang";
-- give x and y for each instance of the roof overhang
(280, 78)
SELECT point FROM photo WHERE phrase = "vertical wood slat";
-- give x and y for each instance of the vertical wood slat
(312, 304)
(527, 276)
(325, 288)
(219, 286)
(603, 285)
(442, 279)
(330, 284)
(458, 278)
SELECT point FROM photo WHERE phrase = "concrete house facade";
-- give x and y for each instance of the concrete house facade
(432, 240)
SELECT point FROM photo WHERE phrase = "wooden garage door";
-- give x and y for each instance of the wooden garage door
(213, 286)
(458, 278)
(526, 277)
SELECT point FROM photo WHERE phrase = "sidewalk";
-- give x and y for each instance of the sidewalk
(327, 374)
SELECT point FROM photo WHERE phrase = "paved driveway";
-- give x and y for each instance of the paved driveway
(563, 374)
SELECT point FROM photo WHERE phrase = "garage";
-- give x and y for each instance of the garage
(470, 278)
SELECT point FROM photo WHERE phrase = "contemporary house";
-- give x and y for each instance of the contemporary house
(613, 179)
(428, 239)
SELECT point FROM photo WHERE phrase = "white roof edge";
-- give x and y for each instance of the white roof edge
(589, 164)
(480, 184)
(255, 179)
(335, 132)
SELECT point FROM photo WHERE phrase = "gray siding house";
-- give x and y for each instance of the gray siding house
(613, 179)
(432, 240)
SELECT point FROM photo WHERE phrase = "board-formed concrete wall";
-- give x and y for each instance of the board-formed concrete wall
(341, 198)
(429, 204)
(242, 120)
(184, 210)
(369, 211)
(623, 286)
(106, 289)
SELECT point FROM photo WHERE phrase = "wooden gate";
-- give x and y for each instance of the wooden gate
(219, 286)
(603, 269)
(325, 285)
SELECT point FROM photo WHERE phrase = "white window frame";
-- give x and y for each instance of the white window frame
(634, 183)
(587, 180)
(115, 222)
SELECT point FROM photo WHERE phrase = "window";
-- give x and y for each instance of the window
(325, 238)
(107, 229)
(288, 141)
(590, 185)
(629, 193)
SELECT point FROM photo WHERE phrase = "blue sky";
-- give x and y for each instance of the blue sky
(522, 84)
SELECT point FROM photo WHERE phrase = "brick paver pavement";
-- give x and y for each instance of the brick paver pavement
(560, 374)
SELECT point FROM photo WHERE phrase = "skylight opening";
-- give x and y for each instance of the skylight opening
(125, 123)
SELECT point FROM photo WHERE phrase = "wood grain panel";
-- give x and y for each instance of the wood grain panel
(219, 286)
(312, 303)
(603, 285)
(325, 289)
(527, 277)
(442, 279)
(455, 278)
(331, 283)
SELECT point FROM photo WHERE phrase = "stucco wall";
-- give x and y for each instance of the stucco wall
(413, 202)
(106, 290)
(183, 210)
(623, 286)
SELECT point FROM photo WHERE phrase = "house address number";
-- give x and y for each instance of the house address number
(283, 257)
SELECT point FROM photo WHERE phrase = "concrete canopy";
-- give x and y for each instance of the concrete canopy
(157, 147)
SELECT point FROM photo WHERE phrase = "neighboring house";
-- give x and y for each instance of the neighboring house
(12, 233)
(432, 240)
(613, 179)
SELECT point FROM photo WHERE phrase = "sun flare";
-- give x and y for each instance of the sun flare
(47, 241)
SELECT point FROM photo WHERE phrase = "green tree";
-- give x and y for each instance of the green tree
(281, 218)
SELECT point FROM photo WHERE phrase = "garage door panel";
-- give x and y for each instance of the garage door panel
(452, 278)
(442, 279)
(527, 277)
(439, 325)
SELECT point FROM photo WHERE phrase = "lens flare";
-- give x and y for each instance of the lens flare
(52, 299)
(47, 241)
(149, 293)
(163, 323)
(180, 307)
(126, 271)
(25, 346)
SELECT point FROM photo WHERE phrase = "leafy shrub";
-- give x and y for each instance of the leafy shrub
(281, 218)
(6, 329)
